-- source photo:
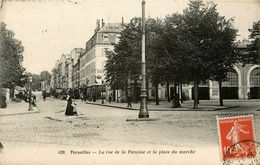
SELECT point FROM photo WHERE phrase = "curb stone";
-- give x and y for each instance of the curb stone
(113, 106)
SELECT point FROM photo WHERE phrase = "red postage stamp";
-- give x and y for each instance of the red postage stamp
(236, 137)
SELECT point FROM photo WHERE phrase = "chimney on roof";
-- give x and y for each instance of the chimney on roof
(122, 20)
(97, 25)
(102, 23)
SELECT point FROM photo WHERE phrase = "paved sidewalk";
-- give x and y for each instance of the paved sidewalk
(205, 105)
(17, 108)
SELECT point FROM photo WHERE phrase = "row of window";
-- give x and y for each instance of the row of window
(91, 80)
(255, 77)
(90, 69)
(232, 79)
(107, 37)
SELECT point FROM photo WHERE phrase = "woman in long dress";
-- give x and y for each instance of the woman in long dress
(69, 109)
(233, 135)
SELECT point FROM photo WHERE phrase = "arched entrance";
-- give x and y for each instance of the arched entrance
(203, 91)
(230, 86)
(255, 83)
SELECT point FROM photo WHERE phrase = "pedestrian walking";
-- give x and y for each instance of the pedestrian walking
(81, 96)
(44, 95)
(110, 98)
(129, 99)
(70, 109)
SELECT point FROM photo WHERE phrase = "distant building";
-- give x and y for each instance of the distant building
(45, 86)
(65, 74)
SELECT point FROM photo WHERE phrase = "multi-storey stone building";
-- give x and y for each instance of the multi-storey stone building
(54, 77)
(61, 79)
(93, 60)
(65, 74)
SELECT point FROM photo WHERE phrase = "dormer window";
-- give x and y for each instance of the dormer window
(105, 38)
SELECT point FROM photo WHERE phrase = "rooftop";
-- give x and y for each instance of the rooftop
(111, 27)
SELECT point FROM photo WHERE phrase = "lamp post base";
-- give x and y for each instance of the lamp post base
(143, 113)
(30, 107)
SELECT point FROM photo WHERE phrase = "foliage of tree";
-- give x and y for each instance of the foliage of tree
(156, 55)
(11, 56)
(23, 80)
(45, 76)
(124, 62)
(178, 52)
(195, 46)
(115, 74)
(254, 48)
(36, 82)
(221, 47)
(203, 43)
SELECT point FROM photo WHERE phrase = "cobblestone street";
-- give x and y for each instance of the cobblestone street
(98, 127)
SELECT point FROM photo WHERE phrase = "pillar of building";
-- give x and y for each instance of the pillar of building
(243, 86)
(213, 90)
(190, 92)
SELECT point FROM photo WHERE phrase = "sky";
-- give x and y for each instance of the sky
(50, 28)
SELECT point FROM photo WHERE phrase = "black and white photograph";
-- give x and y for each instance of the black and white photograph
(129, 82)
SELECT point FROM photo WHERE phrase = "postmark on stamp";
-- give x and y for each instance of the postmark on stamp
(236, 137)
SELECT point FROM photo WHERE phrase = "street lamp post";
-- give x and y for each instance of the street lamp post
(30, 94)
(13, 89)
(102, 86)
(143, 113)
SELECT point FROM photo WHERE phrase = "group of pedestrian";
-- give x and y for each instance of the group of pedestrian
(71, 108)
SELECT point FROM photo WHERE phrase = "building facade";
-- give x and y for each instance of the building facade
(243, 82)
(83, 71)
(65, 74)
(92, 61)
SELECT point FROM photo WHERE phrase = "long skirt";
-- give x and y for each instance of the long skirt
(69, 110)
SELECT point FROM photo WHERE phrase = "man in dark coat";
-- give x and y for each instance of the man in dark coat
(44, 95)
(129, 99)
